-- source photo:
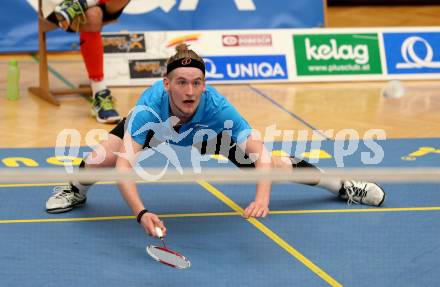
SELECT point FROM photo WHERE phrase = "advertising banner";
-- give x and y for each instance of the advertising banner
(19, 25)
(230, 55)
(245, 68)
(412, 53)
(337, 54)
(279, 55)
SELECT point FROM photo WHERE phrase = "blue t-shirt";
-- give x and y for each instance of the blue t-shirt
(213, 116)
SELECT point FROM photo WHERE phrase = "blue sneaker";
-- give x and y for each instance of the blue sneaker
(102, 108)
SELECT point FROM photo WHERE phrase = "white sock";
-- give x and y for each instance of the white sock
(97, 86)
(82, 188)
(91, 3)
(331, 184)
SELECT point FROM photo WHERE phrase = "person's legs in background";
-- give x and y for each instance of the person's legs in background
(92, 51)
(89, 17)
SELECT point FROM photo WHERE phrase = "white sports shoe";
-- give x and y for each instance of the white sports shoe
(65, 198)
(360, 192)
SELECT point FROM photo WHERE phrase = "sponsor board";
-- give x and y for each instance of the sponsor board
(124, 43)
(337, 54)
(147, 69)
(247, 40)
(255, 67)
(412, 53)
(284, 55)
(162, 15)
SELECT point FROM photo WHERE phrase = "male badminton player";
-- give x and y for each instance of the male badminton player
(186, 104)
(88, 17)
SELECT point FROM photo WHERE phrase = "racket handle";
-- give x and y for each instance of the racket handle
(159, 232)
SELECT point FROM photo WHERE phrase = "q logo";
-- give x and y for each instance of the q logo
(412, 59)
(211, 69)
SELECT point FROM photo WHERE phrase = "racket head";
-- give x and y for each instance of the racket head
(168, 257)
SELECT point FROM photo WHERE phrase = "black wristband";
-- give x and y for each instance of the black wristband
(140, 214)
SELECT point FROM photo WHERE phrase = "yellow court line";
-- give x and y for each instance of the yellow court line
(47, 184)
(272, 235)
(5, 185)
(103, 218)
(40, 220)
(358, 210)
(231, 213)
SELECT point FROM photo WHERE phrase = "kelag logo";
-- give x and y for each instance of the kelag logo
(123, 43)
(337, 54)
(266, 67)
(412, 53)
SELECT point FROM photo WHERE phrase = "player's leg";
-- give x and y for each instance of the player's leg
(353, 191)
(65, 198)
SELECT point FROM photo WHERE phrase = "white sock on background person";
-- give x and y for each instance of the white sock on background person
(97, 86)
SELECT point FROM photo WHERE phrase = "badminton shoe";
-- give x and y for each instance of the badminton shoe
(65, 198)
(360, 192)
(102, 108)
(68, 10)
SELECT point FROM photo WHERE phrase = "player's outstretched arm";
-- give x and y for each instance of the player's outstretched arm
(127, 156)
(260, 206)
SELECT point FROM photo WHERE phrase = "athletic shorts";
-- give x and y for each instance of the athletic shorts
(234, 153)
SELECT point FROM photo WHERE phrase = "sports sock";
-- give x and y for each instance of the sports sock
(92, 51)
(91, 3)
(330, 184)
(81, 187)
(97, 86)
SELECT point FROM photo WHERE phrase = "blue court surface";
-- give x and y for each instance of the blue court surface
(310, 238)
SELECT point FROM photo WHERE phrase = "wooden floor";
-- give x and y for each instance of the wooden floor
(31, 122)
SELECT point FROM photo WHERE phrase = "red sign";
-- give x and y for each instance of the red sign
(247, 40)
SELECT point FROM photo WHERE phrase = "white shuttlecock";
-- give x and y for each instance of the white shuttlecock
(394, 90)
(159, 232)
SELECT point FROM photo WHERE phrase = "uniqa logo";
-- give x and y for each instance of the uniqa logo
(412, 60)
(211, 69)
(358, 53)
(254, 70)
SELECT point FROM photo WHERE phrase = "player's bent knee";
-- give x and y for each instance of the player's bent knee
(93, 21)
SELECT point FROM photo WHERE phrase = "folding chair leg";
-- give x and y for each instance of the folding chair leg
(43, 91)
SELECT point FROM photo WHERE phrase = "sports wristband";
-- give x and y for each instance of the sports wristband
(140, 214)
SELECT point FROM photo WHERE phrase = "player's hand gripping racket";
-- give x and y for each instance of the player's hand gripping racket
(167, 256)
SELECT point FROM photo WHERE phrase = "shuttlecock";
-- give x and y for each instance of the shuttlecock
(394, 90)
